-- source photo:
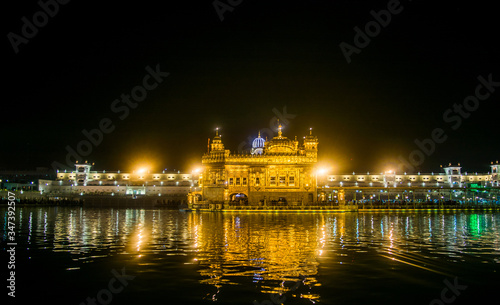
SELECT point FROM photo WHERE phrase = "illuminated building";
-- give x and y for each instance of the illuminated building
(452, 177)
(280, 170)
(83, 181)
(283, 172)
(452, 185)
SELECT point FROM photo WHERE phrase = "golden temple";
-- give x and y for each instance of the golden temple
(279, 170)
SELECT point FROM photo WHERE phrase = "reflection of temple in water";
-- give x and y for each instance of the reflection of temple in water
(278, 253)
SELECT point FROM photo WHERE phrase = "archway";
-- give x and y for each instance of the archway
(238, 198)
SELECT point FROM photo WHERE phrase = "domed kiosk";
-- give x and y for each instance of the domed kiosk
(281, 144)
(258, 145)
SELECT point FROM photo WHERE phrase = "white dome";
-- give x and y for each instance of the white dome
(258, 142)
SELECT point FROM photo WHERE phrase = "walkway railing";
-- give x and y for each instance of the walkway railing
(336, 206)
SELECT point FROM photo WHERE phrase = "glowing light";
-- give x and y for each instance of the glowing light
(142, 170)
(321, 171)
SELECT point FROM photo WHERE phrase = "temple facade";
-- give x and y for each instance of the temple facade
(279, 170)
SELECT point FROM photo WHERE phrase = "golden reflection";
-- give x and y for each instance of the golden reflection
(277, 254)
(273, 250)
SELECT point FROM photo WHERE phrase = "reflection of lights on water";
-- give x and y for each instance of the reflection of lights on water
(391, 237)
(264, 252)
(30, 227)
(430, 228)
(196, 237)
(357, 229)
(45, 224)
(139, 241)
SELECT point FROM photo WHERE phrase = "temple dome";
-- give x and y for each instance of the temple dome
(258, 142)
(281, 144)
(258, 145)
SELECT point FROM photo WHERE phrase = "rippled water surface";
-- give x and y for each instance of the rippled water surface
(71, 255)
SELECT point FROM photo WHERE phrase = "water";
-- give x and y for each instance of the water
(66, 255)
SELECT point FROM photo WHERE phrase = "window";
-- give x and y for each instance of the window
(231, 181)
(282, 180)
(273, 181)
(257, 181)
(244, 181)
(237, 181)
(291, 181)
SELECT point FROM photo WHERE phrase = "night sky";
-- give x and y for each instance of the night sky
(231, 74)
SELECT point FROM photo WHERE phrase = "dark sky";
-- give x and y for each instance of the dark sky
(231, 74)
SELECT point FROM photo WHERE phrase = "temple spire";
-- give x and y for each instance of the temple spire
(279, 129)
(217, 131)
(310, 131)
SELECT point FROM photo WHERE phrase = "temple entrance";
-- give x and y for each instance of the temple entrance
(238, 198)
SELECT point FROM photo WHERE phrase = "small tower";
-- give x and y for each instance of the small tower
(495, 174)
(82, 173)
(454, 174)
(311, 145)
(217, 144)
